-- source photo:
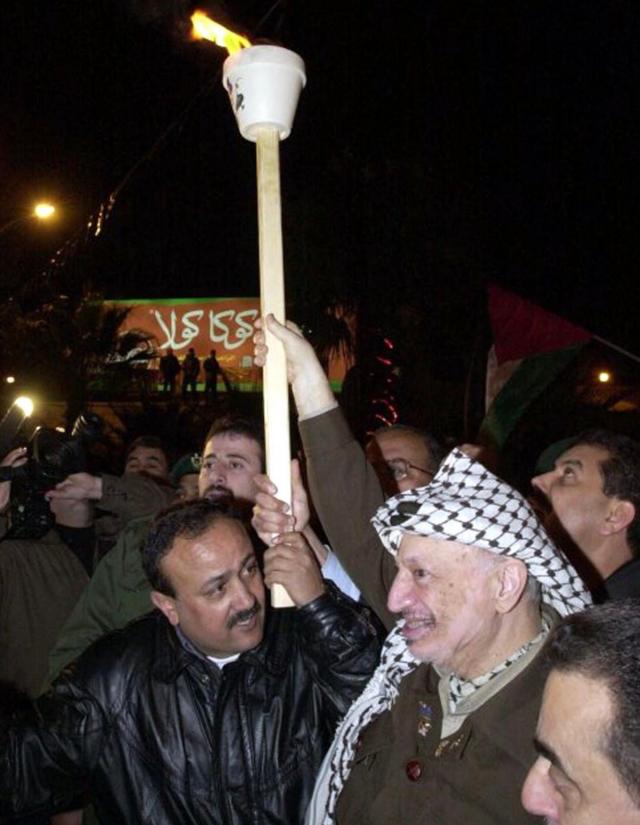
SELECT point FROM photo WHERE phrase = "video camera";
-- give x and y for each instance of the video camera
(52, 456)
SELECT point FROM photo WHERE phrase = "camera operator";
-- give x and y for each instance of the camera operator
(114, 501)
(40, 581)
(118, 499)
(136, 497)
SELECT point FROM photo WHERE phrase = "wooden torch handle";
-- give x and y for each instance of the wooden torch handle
(275, 387)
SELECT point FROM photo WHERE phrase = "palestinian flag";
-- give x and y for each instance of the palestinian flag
(531, 347)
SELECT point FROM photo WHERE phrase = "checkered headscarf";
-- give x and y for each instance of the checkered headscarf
(468, 504)
(464, 503)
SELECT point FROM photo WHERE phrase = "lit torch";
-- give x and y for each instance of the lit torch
(264, 84)
(207, 29)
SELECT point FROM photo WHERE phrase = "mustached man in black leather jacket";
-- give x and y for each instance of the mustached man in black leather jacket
(212, 709)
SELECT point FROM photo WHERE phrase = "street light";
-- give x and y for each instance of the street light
(13, 419)
(42, 212)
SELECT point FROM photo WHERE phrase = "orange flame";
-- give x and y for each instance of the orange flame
(204, 28)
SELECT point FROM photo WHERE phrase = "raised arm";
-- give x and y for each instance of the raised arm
(343, 485)
(130, 496)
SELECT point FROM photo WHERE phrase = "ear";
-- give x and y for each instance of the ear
(167, 604)
(620, 515)
(511, 580)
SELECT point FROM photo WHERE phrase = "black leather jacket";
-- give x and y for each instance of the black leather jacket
(161, 735)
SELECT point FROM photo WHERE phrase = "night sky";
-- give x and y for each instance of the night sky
(437, 145)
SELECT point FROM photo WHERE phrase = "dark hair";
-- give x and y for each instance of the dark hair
(151, 442)
(238, 425)
(187, 519)
(601, 643)
(435, 450)
(620, 473)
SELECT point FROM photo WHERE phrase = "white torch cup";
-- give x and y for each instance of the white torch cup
(264, 84)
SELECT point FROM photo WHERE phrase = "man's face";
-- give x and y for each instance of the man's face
(573, 781)
(573, 489)
(219, 597)
(148, 460)
(400, 459)
(229, 465)
(442, 591)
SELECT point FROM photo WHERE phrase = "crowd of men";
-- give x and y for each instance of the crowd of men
(442, 661)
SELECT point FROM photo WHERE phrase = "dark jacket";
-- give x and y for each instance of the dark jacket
(40, 582)
(623, 583)
(162, 736)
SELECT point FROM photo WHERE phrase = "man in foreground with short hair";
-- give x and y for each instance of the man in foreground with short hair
(594, 495)
(214, 709)
(588, 737)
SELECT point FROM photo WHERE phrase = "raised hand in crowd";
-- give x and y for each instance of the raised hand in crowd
(78, 486)
(291, 563)
(309, 383)
(272, 517)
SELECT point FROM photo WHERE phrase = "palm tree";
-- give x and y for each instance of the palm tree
(66, 345)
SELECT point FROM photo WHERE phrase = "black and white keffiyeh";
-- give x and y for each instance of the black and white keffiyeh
(468, 504)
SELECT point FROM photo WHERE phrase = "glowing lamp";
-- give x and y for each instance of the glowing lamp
(13, 420)
(25, 404)
(44, 211)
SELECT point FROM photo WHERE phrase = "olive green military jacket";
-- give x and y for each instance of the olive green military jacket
(405, 772)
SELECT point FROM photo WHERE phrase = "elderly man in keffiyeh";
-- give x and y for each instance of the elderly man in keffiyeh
(443, 733)
(479, 585)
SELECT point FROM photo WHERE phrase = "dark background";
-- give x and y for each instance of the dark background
(437, 145)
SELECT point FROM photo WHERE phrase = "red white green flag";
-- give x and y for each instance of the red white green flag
(531, 348)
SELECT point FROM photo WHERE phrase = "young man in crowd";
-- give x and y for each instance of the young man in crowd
(593, 493)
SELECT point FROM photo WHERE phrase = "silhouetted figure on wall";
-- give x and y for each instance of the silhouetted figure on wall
(211, 369)
(190, 373)
(169, 369)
